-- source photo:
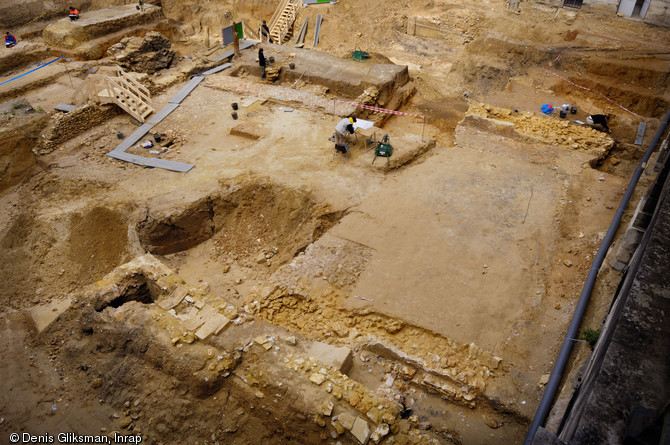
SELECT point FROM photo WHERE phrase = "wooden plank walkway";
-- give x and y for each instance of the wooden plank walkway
(162, 114)
(186, 90)
(244, 44)
(640, 133)
(120, 151)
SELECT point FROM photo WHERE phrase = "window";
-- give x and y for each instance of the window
(572, 3)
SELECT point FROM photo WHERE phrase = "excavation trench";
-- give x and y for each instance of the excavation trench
(242, 222)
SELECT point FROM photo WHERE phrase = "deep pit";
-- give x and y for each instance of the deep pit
(243, 220)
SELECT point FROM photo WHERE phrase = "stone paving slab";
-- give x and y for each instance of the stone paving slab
(174, 299)
(213, 325)
(203, 314)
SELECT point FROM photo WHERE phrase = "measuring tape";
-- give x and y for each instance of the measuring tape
(36, 18)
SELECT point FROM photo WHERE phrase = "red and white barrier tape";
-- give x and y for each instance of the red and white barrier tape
(363, 298)
(594, 91)
(380, 110)
(624, 40)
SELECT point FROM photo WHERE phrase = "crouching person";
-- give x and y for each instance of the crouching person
(599, 121)
(342, 129)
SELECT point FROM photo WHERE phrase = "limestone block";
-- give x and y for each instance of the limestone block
(361, 430)
(346, 420)
(339, 358)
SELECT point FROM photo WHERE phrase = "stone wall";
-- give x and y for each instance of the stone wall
(657, 14)
(69, 125)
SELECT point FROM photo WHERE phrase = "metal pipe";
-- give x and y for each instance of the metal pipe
(590, 375)
(566, 349)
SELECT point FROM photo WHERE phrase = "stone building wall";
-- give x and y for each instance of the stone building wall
(657, 14)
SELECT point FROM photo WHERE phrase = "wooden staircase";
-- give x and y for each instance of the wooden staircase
(113, 85)
(281, 22)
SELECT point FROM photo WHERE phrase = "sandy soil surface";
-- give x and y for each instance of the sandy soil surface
(463, 263)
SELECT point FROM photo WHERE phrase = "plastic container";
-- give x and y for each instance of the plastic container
(291, 65)
(234, 105)
(562, 113)
(547, 109)
(234, 114)
(573, 110)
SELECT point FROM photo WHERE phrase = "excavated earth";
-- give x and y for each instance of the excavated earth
(282, 293)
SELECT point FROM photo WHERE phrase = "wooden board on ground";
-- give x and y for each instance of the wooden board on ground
(66, 108)
(640, 133)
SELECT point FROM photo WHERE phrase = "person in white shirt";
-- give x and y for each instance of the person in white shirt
(343, 127)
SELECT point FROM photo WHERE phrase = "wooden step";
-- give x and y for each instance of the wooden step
(106, 93)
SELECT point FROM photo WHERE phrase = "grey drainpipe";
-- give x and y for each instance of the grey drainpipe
(573, 330)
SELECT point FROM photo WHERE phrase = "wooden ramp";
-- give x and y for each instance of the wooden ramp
(282, 20)
(113, 85)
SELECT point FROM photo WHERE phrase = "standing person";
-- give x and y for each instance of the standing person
(74, 14)
(265, 33)
(10, 40)
(343, 127)
(261, 62)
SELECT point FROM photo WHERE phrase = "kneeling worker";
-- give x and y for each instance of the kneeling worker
(74, 14)
(10, 40)
(599, 121)
(345, 126)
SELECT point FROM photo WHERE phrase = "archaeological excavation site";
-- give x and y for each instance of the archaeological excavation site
(335, 222)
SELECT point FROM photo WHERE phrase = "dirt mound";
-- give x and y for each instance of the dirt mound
(17, 161)
(97, 241)
(143, 55)
(47, 256)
